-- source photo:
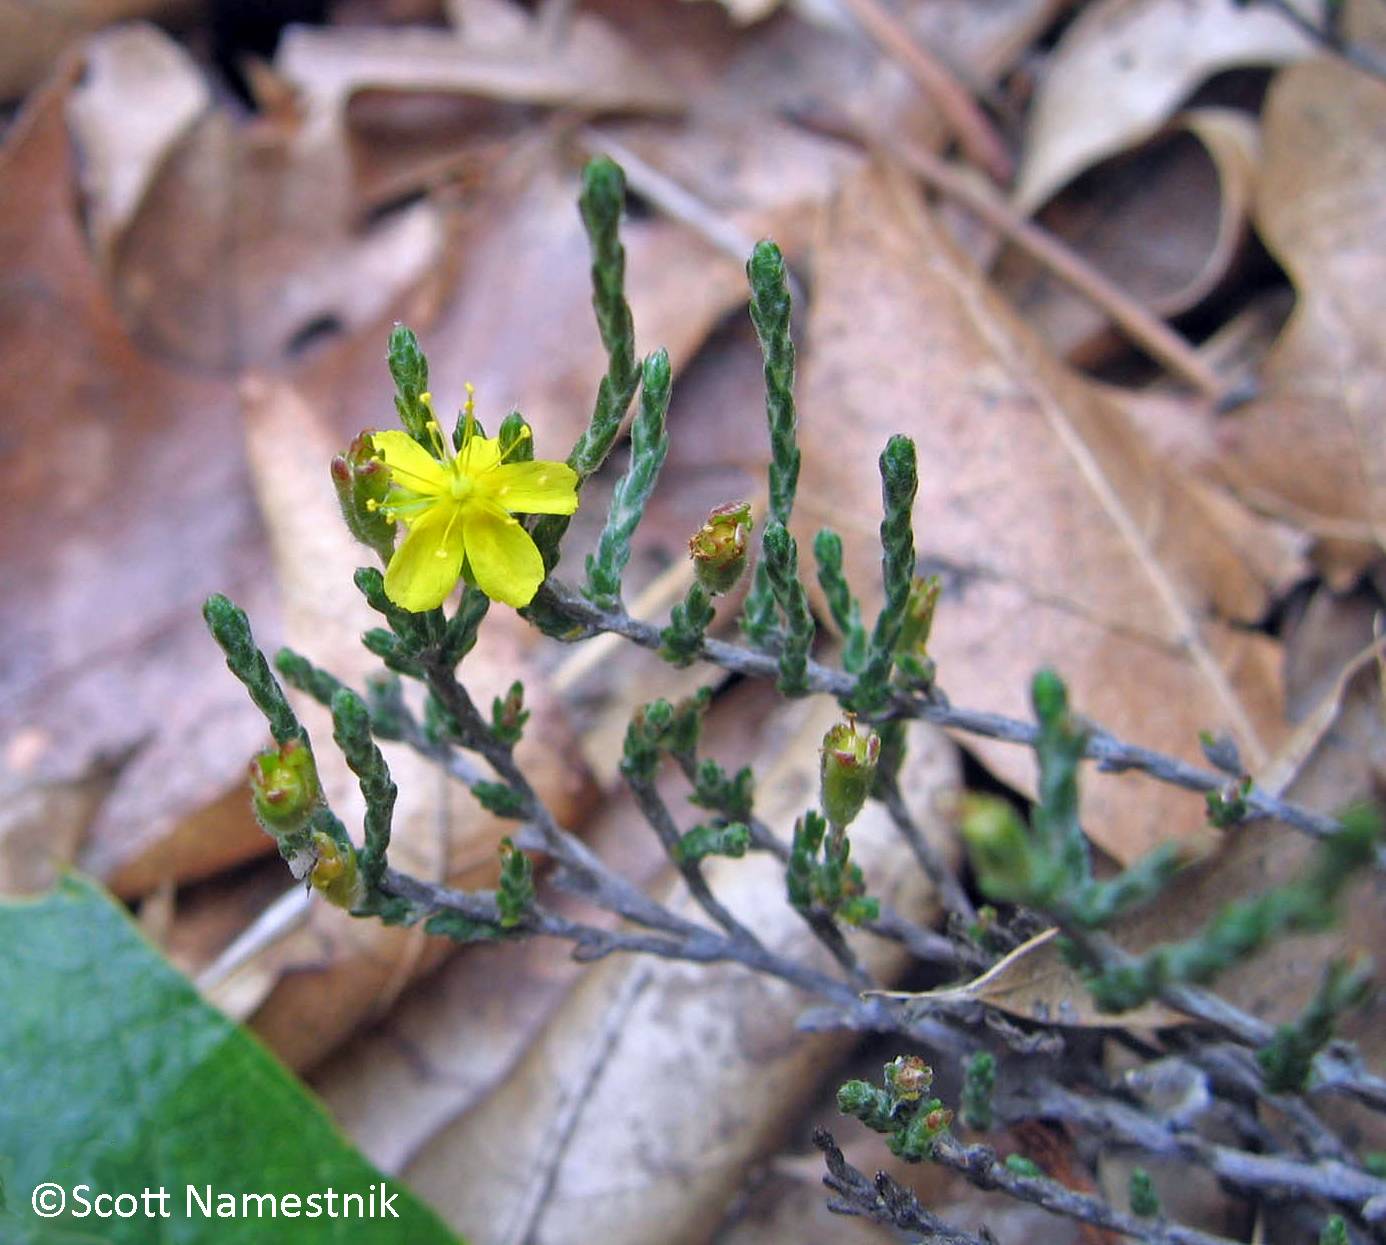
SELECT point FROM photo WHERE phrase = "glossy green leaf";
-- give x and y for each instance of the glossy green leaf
(115, 1075)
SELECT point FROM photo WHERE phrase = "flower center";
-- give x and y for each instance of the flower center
(460, 485)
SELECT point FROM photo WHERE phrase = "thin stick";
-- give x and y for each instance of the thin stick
(1142, 326)
(671, 198)
(967, 122)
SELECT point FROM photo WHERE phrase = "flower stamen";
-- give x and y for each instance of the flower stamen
(458, 498)
(520, 438)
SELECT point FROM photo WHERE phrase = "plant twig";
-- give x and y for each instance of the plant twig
(661, 821)
(883, 1201)
(954, 898)
(1112, 754)
(980, 1166)
(1263, 1174)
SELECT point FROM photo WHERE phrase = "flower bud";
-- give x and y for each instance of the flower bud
(718, 548)
(362, 482)
(855, 1097)
(908, 1077)
(509, 715)
(1048, 695)
(938, 1119)
(334, 875)
(1000, 849)
(849, 757)
(284, 787)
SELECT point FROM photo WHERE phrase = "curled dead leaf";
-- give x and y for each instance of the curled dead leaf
(1312, 448)
(34, 36)
(1166, 223)
(1034, 983)
(139, 95)
(1124, 66)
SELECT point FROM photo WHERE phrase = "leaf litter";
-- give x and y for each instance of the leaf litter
(1073, 523)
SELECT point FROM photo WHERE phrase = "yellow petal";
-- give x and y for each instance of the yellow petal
(411, 466)
(505, 561)
(532, 488)
(480, 454)
(426, 567)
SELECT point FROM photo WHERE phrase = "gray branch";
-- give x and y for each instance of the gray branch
(1112, 754)
(1263, 1174)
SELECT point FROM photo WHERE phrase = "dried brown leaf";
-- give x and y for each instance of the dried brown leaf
(257, 241)
(1062, 539)
(1312, 449)
(592, 69)
(1124, 66)
(1035, 983)
(33, 36)
(139, 95)
(1165, 223)
(129, 503)
(250, 244)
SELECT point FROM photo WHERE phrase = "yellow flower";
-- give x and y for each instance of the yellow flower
(459, 507)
